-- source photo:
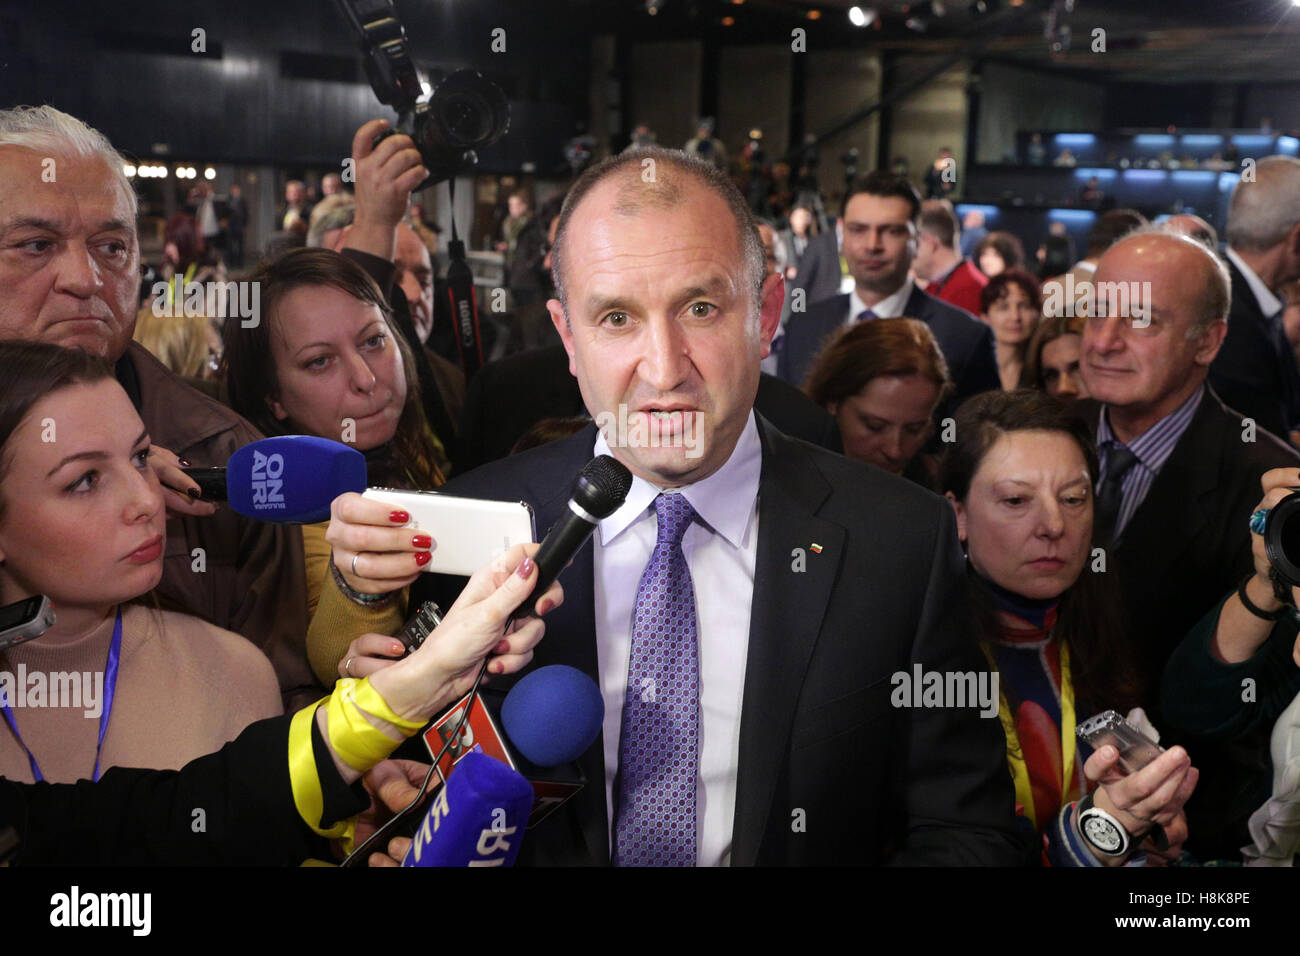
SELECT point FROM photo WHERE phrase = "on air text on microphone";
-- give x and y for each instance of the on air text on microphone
(290, 479)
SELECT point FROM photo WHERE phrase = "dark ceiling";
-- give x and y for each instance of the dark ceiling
(1174, 41)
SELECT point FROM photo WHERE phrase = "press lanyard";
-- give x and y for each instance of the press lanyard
(1015, 756)
(110, 688)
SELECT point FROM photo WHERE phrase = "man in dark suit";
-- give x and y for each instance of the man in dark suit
(494, 418)
(819, 271)
(799, 584)
(880, 243)
(1255, 371)
(1179, 471)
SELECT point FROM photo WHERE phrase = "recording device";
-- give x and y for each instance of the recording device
(466, 112)
(1282, 545)
(599, 491)
(476, 819)
(1136, 749)
(24, 620)
(467, 532)
(420, 626)
(541, 727)
(290, 479)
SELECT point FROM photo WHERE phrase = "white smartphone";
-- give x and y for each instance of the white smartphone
(467, 532)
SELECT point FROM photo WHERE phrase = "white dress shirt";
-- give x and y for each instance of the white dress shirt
(890, 307)
(1269, 304)
(720, 548)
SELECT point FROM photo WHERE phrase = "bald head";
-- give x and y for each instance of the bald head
(1265, 213)
(1158, 251)
(655, 179)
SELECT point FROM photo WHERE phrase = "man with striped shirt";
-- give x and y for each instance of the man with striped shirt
(1179, 470)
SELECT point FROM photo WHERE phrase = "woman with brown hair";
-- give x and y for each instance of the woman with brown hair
(113, 681)
(1011, 305)
(324, 360)
(882, 381)
(1020, 477)
(1052, 358)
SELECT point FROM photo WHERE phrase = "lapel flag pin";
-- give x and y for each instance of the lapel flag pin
(816, 549)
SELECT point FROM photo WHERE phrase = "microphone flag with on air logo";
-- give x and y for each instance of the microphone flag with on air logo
(292, 479)
(477, 819)
(550, 718)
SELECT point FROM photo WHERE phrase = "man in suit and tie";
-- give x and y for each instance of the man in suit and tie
(880, 243)
(1255, 371)
(749, 609)
(1179, 478)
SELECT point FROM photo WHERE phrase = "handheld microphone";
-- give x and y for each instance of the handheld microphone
(289, 479)
(475, 819)
(600, 490)
(550, 718)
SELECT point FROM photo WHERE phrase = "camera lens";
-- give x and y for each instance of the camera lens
(471, 112)
(1282, 538)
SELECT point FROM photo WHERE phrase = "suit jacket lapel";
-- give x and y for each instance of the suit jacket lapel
(571, 629)
(785, 619)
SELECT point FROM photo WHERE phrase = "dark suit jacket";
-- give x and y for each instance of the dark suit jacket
(818, 272)
(1188, 543)
(818, 732)
(1255, 371)
(1185, 548)
(511, 395)
(966, 342)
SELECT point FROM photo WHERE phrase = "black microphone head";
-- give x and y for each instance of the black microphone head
(602, 486)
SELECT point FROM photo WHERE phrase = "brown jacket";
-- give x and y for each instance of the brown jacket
(250, 577)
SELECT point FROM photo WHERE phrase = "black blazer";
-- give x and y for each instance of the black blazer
(1255, 371)
(1188, 543)
(966, 342)
(511, 395)
(818, 732)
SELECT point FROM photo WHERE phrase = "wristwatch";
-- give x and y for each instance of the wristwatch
(1102, 831)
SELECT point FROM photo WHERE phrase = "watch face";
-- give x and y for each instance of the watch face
(1102, 834)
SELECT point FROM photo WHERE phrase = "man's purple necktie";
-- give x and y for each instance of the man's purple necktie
(866, 315)
(659, 745)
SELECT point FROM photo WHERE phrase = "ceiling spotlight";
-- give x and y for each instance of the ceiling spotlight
(862, 18)
(653, 7)
(728, 21)
(978, 7)
(938, 8)
(209, 173)
(915, 23)
(814, 14)
(128, 170)
(160, 171)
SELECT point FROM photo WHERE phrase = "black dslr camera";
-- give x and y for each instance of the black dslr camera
(466, 112)
(1282, 545)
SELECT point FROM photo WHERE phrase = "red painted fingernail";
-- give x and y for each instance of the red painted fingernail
(397, 648)
(399, 517)
(422, 558)
(525, 567)
(502, 646)
(545, 606)
(421, 541)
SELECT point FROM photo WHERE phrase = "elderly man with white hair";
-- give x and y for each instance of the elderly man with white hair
(70, 276)
(1255, 372)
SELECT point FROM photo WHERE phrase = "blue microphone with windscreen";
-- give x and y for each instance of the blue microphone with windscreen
(289, 479)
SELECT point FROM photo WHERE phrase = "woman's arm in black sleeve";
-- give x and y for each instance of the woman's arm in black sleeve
(235, 806)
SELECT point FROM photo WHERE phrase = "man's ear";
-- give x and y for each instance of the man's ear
(772, 299)
(561, 324)
(961, 515)
(1211, 340)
